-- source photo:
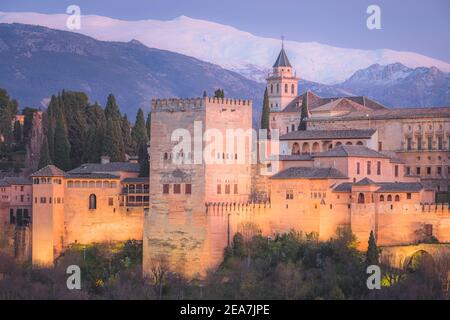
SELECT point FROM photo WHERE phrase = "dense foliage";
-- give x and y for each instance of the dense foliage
(290, 266)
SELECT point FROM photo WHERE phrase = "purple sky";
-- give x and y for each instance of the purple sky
(408, 25)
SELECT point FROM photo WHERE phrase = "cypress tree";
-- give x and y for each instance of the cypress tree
(128, 144)
(304, 113)
(139, 132)
(44, 158)
(148, 124)
(113, 144)
(18, 137)
(95, 135)
(143, 160)
(204, 94)
(61, 145)
(373, 254)
(265, 112)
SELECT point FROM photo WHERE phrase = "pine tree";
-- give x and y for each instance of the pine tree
(373, 254)
(148, 124)
(44, 158)
(265, 116)
(139, 132)
(61, 145)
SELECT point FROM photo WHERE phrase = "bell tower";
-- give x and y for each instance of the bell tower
(282, 83)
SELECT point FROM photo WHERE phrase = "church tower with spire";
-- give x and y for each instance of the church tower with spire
(282, 83)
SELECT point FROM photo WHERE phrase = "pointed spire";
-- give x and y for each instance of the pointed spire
(282, 60)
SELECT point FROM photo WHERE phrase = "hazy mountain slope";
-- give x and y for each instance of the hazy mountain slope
(36, 62)
(233, 49)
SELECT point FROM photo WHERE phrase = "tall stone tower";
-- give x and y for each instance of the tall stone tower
(48, 215)
(209, 168)
(281, 83)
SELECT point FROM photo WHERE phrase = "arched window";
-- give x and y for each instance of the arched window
(271, 88)
(295, 148)
(359, 143)
(361, 198)
(305, 148)
(338, 144)
(166, 156)
(349, 143)
(397, 198)
(382, 198)
(292, 89)
(389, 198)
(316, 147)
(286, 88)
(92, 202)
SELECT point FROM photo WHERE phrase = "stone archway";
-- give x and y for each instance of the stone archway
(305, 148)
(315, 147)
(295, 148)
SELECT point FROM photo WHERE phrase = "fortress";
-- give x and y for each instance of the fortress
(338, 162)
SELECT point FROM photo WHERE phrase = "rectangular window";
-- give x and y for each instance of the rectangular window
(418, 171)
(396, 170)
(430, 143)
(408, 196)
(358, 168)
(380, 146)
(177, 188)
(428, 230)
(165, 188)
(439, 170)
(409, 144)
(289, 194)
(235, 188)
(188, 188)
(227, 189)
(219, 189)
(419, 143)
(440, 143)
(408, 170)
(12, 218)
(378, 167)
(428, 170)
(21, 198)
(369, 167)
(110, 202)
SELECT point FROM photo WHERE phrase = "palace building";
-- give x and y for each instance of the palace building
(339, 162)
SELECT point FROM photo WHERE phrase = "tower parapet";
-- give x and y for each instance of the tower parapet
(178, 104)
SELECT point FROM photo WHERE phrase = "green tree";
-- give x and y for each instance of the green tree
(373, 254)
(95, 133)
(265, 116)
(113, 142)
(18, 134)
(139, 132)
(304, 113)
(219, 93)
(44, 158)
(61, 145)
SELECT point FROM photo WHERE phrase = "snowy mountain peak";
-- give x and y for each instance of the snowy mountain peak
(234, 49)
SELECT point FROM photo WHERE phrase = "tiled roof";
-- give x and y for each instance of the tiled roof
(49, 171)
(9, 181)
(295, 157)
(137, 180)
(309, 173)
(384, 187)
(92, 176)
(365, 182)
(315, 101)
(282, 60)
(106, 167)
(328, 134)
(399, 113)
(351, 151)
(400, 187)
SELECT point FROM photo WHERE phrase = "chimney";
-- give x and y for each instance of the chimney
(105, 159)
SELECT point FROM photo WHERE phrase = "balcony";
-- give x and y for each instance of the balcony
(126, 191)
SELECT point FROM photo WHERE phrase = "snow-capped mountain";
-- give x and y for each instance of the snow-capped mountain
(396, 85)
(233, 49)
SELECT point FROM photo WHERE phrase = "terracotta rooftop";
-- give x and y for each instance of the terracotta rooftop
(49, 171)
(328, 134)
(144, 180)
(91, 176)
(295, 157)
(351, 151)
(309, 173)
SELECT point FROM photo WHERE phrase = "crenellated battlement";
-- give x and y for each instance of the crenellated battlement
(422, 208)
(178, 104)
